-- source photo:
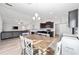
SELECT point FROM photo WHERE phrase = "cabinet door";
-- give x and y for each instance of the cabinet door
(64, 29)
(6, 35)
(15, 34)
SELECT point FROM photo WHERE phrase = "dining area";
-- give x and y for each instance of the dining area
(36, 45)
(28, 44)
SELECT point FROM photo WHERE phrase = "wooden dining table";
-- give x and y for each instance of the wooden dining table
(39, 42)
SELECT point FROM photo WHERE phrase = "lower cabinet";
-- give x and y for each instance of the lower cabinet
(11, 34)
(45, 32)
(6, 35)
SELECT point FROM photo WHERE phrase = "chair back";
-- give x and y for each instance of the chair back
(26, 46)
(22, 42)
(29, 46)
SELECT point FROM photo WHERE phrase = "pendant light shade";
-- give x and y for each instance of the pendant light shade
(33, 18)
(36, 15)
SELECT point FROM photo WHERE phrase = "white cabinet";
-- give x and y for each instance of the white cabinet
(62, 28)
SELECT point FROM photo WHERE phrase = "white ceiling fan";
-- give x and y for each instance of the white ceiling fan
(8, 4)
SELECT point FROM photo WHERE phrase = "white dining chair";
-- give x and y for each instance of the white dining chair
(22, 44)
(29, 46)
(26, 46)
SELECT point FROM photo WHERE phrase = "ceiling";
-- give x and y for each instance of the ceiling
(43, 9)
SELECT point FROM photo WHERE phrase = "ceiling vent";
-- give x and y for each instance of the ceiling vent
(9, 4)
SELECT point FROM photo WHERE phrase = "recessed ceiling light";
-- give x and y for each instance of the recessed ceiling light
(50, 13)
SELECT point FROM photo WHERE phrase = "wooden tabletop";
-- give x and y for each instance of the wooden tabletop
(40, 42)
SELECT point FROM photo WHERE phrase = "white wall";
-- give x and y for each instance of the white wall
(78, 24)
(0, 24)
(62, 26)
(61, 23)
(11, 18)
